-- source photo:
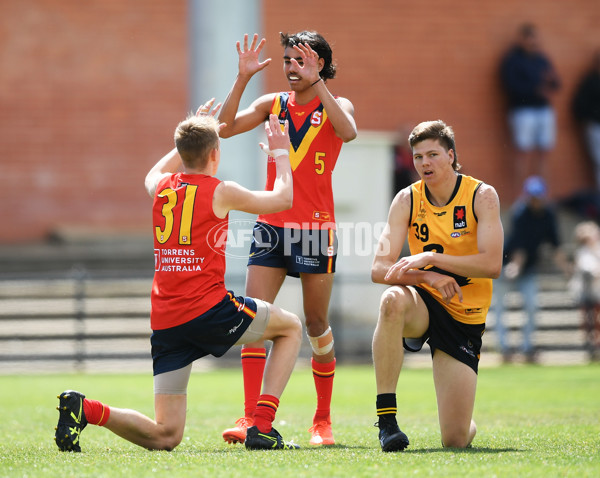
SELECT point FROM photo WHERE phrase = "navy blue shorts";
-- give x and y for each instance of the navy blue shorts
(312, 251)
(212, 333)
(459, 340)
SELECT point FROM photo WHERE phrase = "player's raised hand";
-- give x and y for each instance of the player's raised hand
(248, 62)
(205, 109)
(309, 69)
(278, 138)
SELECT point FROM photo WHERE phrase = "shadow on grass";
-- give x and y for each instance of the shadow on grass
(364, 447)
(302, 448)
(465, 450)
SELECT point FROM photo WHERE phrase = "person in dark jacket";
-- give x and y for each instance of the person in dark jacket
(586, 109)
(533, 225)
(529, 81)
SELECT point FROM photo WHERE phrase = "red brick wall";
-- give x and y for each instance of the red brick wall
(88, 90)
(402, 62)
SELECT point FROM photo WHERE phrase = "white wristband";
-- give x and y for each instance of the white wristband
(279, 152)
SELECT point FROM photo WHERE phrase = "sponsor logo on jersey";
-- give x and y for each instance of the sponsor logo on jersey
(460, 217)
(177, 260)
(443, 213)
(321, 216)
(156, 259)
(316, 118)
(475, 310)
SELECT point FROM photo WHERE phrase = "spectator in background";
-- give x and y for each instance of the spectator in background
(586, 109)
(529, 81)
(585, 283)
(533, 224)
(404, 170)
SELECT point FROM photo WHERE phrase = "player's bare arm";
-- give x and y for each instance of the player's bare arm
(393, 236)
(230, 195)
(340, 111)
(248, 65)
(249, 118)
(490, 241)
(171, 162)
(392, 240)
(385, 268)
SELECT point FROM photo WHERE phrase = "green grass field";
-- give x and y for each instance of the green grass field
(532, 421)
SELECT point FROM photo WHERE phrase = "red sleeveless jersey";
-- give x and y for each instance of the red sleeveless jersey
(314, 151)
(189, 250)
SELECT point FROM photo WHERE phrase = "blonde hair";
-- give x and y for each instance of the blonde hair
(195, 138)
(587, 232)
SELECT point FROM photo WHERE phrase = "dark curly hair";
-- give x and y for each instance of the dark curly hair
(318, 44)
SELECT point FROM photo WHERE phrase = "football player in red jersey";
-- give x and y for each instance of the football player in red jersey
(319, 124)
(193, 314)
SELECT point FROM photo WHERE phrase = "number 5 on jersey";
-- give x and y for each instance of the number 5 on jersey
(319, 163)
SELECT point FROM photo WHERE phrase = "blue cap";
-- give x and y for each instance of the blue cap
(534, 186)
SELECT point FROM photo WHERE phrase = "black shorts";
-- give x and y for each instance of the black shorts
(212, 333)
(459, 340)
(312, 251)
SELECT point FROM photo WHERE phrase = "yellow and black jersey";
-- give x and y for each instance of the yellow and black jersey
(451, 229)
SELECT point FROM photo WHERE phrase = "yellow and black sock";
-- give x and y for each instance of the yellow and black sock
(386, 408)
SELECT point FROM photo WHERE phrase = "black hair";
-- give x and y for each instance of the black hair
(318, 44)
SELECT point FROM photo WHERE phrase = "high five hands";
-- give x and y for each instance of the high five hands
(205, 110)
(248, 63)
